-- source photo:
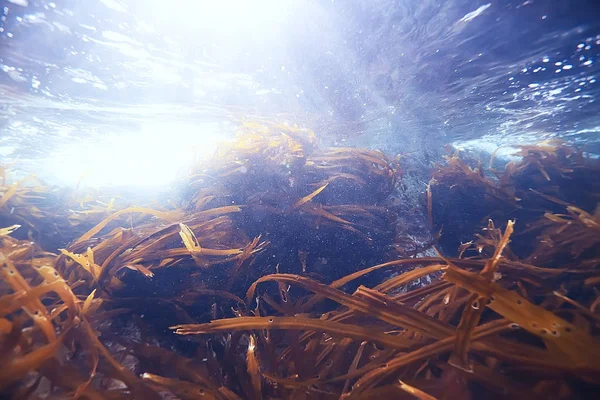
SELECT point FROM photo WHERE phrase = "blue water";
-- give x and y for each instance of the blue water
(138, 81)
(116, 99)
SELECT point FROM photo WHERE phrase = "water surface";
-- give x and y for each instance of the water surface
(130, 92)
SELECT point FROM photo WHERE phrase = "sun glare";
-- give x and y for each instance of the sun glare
(155, 156)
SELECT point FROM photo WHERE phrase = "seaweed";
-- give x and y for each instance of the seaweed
(298, 196)
(548, 178)
(415, 336)
(276, 277)
(51, 215)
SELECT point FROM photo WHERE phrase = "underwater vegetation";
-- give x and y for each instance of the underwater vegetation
(321, 209)
(51, 215)
(551, 182)
(277, 276)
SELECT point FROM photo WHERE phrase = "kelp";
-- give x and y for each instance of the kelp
(52, 215)
(149, 302)
(281, 178)
(25, 311)
(420, 338)
(145, 251)
(548, 178)
(411, 337)
(572, 238)
(486, 339)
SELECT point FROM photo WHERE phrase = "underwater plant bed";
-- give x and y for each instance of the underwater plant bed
(277, 276)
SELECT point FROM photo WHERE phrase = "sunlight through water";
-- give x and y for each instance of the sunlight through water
(156, 156)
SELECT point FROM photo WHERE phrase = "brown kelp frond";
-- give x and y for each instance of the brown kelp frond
(419, 394)
(550, 159)
(309, 197)
(473, 309)
(43, 297)
(288, 185)
(574, 344)
(150, 249)
(294, 323)
(166, 215)
(331, 311)
(51, 214)
(576, 233)
(431, 329)
(549, 177)
(34, 308)
(253, 247)
(182, 389)
(191, 242)
(372, 376)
